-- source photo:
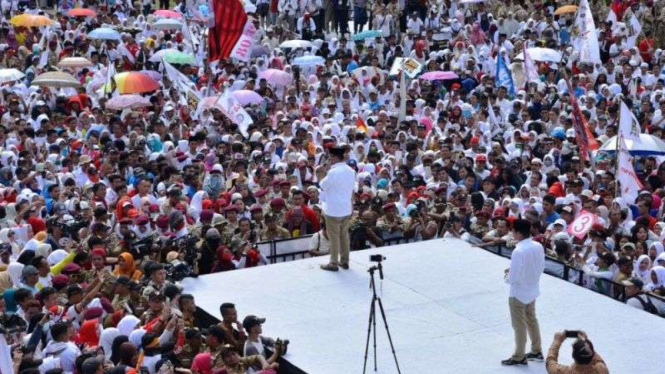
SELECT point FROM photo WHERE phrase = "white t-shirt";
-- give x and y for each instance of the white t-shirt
(320, 243)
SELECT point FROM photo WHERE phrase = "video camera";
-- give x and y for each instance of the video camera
(179, 270)
(11, 325)
(185, 245)
(141, 248)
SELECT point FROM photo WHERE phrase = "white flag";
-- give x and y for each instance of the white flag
(587, 37)
(635, 32)
(630, 184)
(629, 127)
(234, 111)
(530, 70)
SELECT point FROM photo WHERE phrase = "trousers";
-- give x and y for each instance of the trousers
(523, 318)
(338, 232)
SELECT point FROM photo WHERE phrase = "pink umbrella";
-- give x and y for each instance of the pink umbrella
(168, 13)
(128, 101)
(152, 74)
(246, 97)
(208, 102)
(276, 77)
(439, 75)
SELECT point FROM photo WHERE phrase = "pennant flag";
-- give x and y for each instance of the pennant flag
(630, 184)
(186, 87)
(530, 69)
(229, 20)
(587, 37)
(361, 126)
(636, 27)
(503, 76)
(629, 127)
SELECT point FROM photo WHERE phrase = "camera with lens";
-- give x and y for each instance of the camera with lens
(185, 245)
(376, 258)
(178, 270)
(141, 248)
(13, 324)
(72, 227)
(284, 344)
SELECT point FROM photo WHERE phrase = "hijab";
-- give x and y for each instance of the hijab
(107, 339)
(115, 348)
(127, 324)
(89, 333)
(660, 278)
(202, 363)
(643, 275)
(133, 273)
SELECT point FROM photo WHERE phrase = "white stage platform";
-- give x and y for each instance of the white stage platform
(447, 309)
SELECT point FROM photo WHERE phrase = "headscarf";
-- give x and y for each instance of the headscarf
(196, 205)
(115, 348)
(133, 273)
(660, 278)
(15, 269)
(644, 275)
(127, 324)
(202, 363)
(107, 339)
(658, 246)
(135, 336)
(57, 256)
(89, 333)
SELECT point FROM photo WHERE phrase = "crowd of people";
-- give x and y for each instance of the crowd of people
(104, 210)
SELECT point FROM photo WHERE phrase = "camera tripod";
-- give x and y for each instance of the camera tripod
(372, 319)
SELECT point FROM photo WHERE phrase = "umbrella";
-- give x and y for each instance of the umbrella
(471, 1)
(438, 75)
(128, 101)
(135, 82)
(167, 24)
(56, 79)
(649, 145)
(276, 77)
(152, 74)
(81, 12)
(246, 97)
(541, 54)
(104, 33)
(208, 102)
(258, 51)
(296, 44)
(10, 75)
(74, 62)
(566, 9)
(173, 56)
(31, 20)
(309, 61)
(168, 13)
(367, 34)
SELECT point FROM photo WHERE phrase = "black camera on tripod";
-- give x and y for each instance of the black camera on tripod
(141, 248)
(377, 258)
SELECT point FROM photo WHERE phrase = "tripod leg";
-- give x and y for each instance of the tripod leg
(372, 318)
(390, 339)
(374, 323)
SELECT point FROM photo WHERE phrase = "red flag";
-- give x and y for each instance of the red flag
(230, 19)
(361, 126)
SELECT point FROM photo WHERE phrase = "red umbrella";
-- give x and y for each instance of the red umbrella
(168, 13)
(81, 12)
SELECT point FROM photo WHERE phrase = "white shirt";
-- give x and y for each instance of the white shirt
(527, 263)
(338, 186)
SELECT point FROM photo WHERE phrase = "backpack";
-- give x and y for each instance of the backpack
(647, 305)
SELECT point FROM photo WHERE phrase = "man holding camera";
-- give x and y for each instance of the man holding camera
(527, 263)
(587, 360)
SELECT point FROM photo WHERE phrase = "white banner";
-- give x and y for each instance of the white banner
(243, 48)
(587, 37)
(236, 113)
(630, 184)
(629, 128)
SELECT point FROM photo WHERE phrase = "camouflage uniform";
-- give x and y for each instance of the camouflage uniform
(279, 233)
(108, 277)
(216, 354)
(186, 356)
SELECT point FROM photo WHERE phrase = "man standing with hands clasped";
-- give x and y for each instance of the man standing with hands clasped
(338, 187)
(527, 263)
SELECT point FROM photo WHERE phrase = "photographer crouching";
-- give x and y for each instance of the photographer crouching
(587, 360)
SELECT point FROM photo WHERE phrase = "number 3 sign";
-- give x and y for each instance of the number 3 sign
(582, 224)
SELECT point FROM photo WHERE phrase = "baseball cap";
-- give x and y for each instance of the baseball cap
(633, 282)
(251, 321)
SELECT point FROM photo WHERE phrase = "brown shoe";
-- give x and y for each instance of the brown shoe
(329, 267)
(344, 266)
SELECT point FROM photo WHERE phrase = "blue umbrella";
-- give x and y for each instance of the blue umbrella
(309, 61)
(367, 34)
(104, 33)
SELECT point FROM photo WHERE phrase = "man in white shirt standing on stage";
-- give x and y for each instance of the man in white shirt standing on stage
(527, 263)
(338, 187)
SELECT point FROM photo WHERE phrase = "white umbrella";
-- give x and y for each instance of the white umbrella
(541, 54)
(74, 62)
(296, 44)
(649, 145)
(309, 61)
(10, 75)
(104, 33)
(167, 24)
(56, 79)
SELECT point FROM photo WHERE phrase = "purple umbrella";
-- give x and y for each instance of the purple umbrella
(439, 75)
(152, 74)
(276, 77)
(246, 97)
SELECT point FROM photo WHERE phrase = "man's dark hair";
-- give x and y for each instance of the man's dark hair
(46, 292)
(59, 329)
(225, 307)
(185, 297)
(583, 352)
(550, 199)
(21, 295)
(36, 261)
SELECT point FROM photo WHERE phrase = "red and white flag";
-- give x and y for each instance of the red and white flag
(228, 22)
(630, 184)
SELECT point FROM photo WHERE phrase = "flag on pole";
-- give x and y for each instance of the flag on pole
(530, 70)
(361, 126)
(228, 22)
(636, 27)
(630, 184)
(503, 76)
(234, 111)
(629, 127)
(587, 39)
(185, 87)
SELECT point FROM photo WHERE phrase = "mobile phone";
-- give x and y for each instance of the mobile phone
(572, 333)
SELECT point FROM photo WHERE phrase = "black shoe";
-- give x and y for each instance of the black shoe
(512, 362)
(538, 357)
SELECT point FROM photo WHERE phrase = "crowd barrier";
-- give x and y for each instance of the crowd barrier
(291, 249)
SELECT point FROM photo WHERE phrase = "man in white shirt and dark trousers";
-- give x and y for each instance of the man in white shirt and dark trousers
(338, 187)
(527, 263)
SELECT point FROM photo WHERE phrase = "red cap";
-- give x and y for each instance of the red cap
(475, 140)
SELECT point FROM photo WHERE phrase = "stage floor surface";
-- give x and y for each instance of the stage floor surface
(447, 309)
